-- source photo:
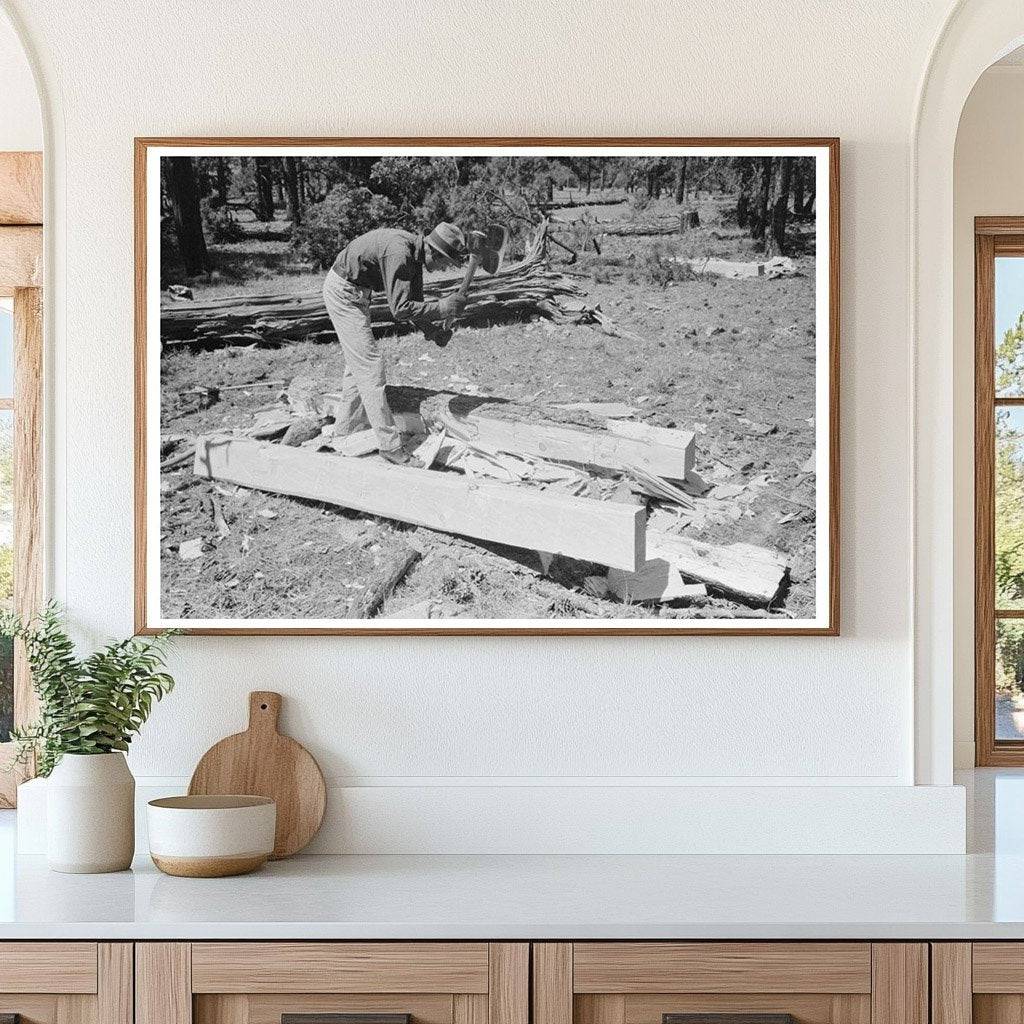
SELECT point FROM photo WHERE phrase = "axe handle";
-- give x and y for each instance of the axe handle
(467, 280)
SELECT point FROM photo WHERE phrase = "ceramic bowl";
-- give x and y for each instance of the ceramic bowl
(211, 836)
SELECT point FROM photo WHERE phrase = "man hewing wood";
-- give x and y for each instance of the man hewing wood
(391, 261)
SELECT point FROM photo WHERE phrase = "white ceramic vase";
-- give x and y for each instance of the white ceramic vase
(90, 814)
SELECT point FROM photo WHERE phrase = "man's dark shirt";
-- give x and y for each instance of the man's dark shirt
(389, 260)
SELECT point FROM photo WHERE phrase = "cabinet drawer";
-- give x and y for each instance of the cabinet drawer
(261, 982)
(66, 982)
(735, 982)
(635, 967)
(340, 967)
(48, 967)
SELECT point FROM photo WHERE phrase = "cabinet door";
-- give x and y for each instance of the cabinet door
(332, 983)
(737, 982)
(66, 982)
(980, 982)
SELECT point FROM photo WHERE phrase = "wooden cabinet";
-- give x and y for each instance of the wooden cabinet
(259, 982)
(646, 982)
(66, 982)
(494, 983)
(979, 982)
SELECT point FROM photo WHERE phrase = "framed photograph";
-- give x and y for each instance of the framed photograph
(487, 386)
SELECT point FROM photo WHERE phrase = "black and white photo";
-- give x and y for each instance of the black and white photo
(455, 387)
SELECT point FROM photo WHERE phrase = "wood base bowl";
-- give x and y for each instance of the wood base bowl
(211, 836)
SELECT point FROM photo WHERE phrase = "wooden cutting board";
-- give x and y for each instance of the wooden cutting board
(262, 762)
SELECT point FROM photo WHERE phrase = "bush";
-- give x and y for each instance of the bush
(419, 187)
(219, 224)
(661, 264)
(638, 203)
(344, 214)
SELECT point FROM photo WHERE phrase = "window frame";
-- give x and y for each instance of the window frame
(21, 253)
(993, 237)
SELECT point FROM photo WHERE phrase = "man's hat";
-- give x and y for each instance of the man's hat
(449, 241)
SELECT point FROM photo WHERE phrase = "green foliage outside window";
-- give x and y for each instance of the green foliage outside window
(1009, 508)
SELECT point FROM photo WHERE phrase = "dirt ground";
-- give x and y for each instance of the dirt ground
(733, 361)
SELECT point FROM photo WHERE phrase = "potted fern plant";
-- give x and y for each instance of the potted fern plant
(89, 710)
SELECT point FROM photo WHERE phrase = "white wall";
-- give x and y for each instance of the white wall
(395, 713)
(988, 181)
(21, 125)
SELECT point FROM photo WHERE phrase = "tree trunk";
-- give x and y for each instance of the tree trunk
(680, 180)
(291, 179)
(264, 207)
(223, 180)
(807, 207)
(760, 216)
(745, 199)
(183, 194)
(798, 186)
(782, 173)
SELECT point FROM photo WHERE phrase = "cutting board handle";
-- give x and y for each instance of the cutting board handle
(264, 710)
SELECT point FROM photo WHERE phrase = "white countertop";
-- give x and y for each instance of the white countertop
(978, 896)
(532, 897)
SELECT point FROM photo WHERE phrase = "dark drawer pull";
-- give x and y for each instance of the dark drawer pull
(728, 1018)
(340, 1018)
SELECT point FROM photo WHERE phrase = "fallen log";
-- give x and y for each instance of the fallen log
(670, 226)
(584, 200)
(369, 603)
(518, 291)
(778, 266)
(621, 445)
(742, 571)
(606, 532)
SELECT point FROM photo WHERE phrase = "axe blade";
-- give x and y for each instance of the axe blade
(491, 249)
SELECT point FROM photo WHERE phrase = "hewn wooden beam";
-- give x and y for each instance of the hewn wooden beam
(21, 258)
(21, 188)
(621, 445)
(740, 570)
(606, 532)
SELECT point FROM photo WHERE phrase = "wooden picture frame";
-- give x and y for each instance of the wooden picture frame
(825, 621)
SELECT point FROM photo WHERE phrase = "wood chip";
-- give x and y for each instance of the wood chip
(363, 442)
(658, 581)
(189, 550)
(658, 487)
(608, 410)
(420, 610)
(428, 451)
